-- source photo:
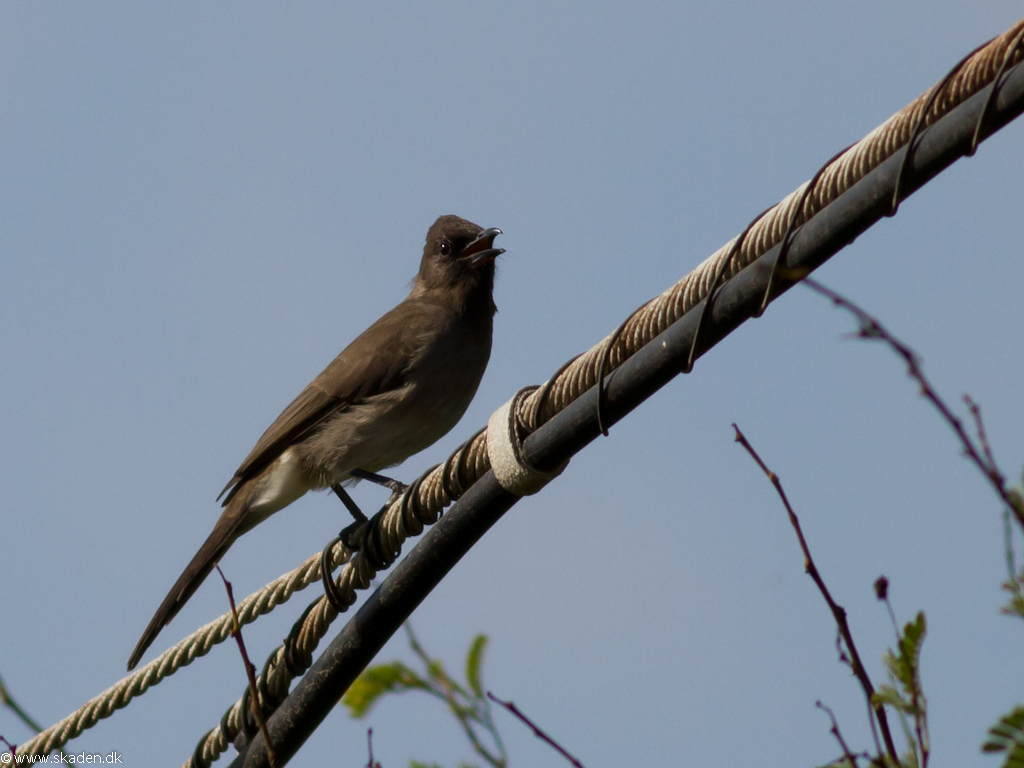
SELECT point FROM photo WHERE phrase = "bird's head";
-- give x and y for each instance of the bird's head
(458, 260)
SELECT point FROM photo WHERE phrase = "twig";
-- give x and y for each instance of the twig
(442, 686)
(834, 730)
(920, 725)
(1013, 583)
(882, 593)
(250, 671)
(872, 329)
(979, 427)
(9, 702)
(12, 748)
(536, 731)
(369, 748)
(838, 612)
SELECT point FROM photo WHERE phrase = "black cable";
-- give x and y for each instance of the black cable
(566, 433)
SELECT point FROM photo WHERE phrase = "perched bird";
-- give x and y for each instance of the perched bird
(395, 390)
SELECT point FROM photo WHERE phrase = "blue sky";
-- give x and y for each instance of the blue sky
(201, 205)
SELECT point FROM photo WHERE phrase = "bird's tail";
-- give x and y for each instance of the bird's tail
(228, 528)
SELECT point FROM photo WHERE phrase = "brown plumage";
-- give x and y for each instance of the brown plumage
(395, 390)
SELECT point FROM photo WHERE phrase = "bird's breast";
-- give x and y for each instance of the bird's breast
(387, 428)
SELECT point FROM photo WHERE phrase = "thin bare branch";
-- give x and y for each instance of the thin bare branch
(369, 748)
(12, 748)
(834, 730)
(838, 612)
(511, 707)
(8, 701)
(981, 454)
(250, 671)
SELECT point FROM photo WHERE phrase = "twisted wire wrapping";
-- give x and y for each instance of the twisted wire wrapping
(420, 505)
(423, 503)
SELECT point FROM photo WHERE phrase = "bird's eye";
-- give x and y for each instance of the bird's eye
(445, 248)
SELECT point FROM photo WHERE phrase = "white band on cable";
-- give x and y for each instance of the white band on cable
(505, 450)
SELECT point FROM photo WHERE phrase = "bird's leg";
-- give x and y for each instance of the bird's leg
(351, 535)
(396, 486)
(363, 530)
(350, 505)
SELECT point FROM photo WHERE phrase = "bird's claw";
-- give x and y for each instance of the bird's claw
(352, 535)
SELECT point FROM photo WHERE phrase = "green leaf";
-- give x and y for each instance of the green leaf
(905, 668)
(378, 680)
(1008, 736)
(842, 762)
(474, 660)
(435, 670)
(913, 638)
(1016, 500)
(1016, 605)
(887, 695)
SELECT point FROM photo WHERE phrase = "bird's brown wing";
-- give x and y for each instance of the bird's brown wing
(375, 362)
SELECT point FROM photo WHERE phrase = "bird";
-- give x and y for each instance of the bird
(399, 387)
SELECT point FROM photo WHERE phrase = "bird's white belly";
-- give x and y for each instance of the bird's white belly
(281, 483)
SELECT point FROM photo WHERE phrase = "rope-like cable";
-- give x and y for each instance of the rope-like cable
(423, 503)
(427, 498)
(974, 74)
(420, 505)
(199, 643)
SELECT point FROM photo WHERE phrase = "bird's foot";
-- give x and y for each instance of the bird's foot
(364, 536)
(354, 535)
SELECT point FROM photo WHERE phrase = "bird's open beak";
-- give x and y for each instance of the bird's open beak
(481, 249)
